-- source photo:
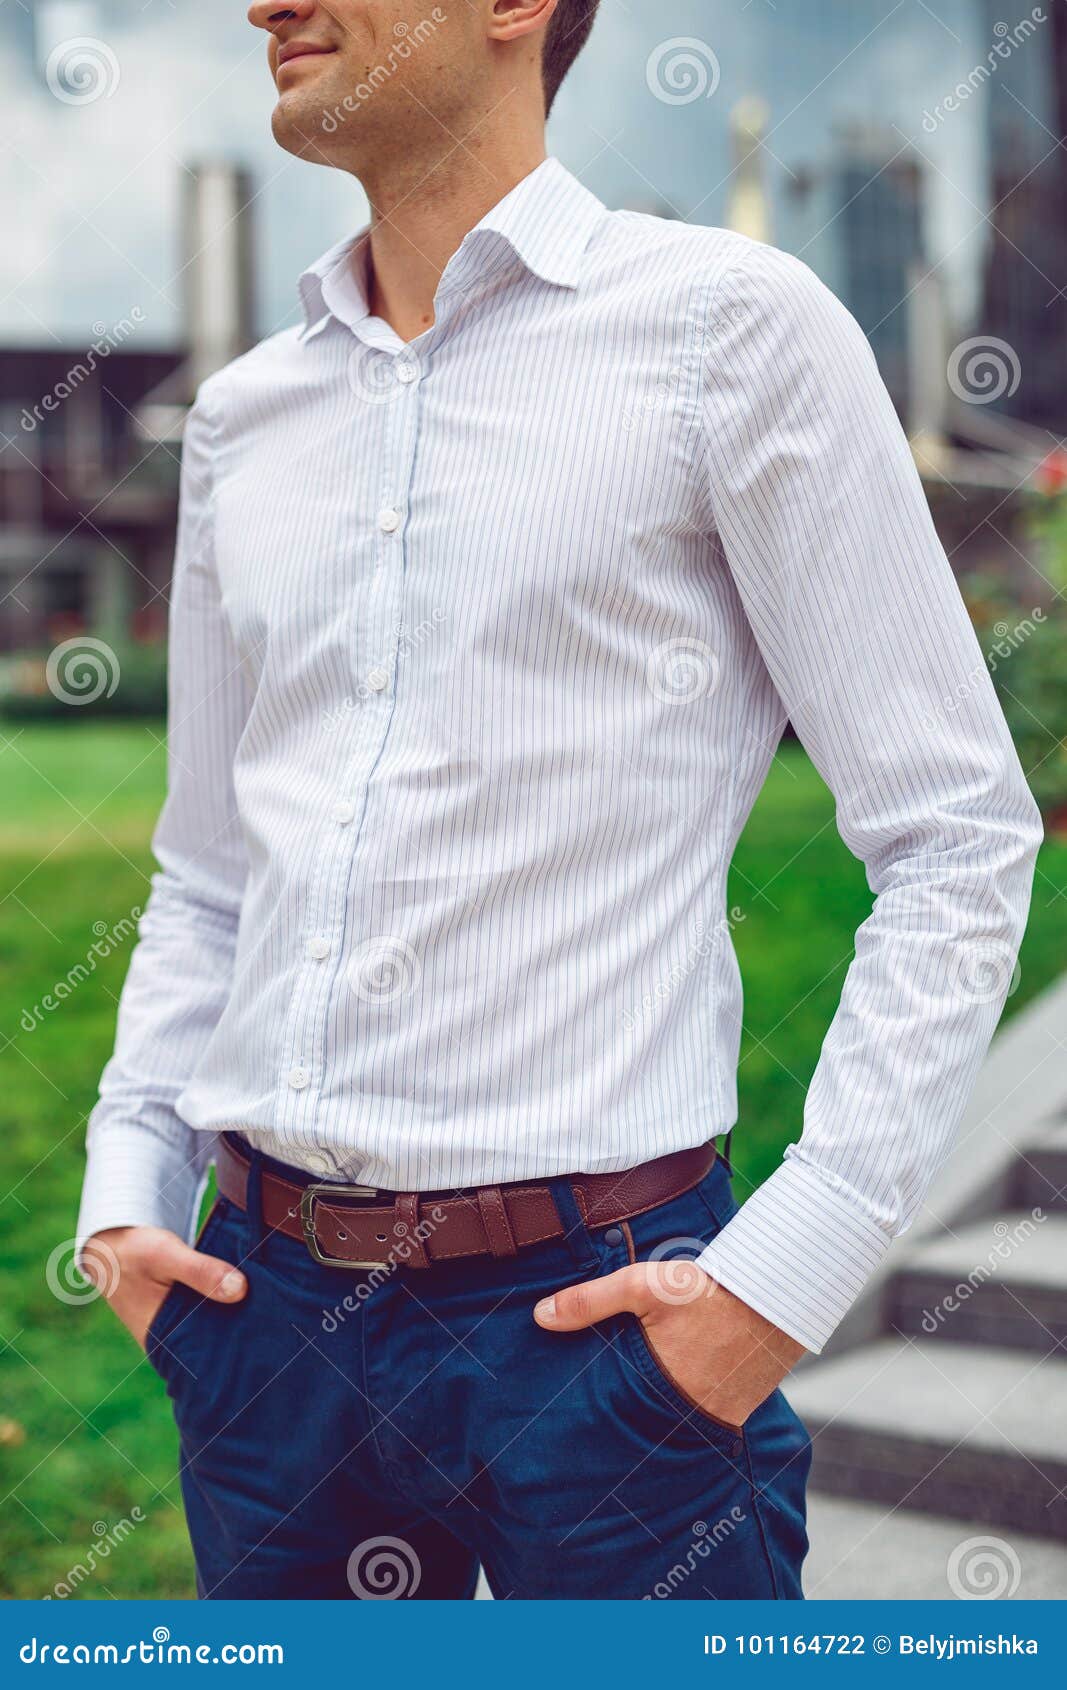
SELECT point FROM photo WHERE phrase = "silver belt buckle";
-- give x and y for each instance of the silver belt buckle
(362, 1193)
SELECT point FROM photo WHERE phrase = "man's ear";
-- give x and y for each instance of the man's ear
(510, 20)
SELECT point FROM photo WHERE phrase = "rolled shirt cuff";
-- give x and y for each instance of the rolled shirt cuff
(799, 1252)
(134, 1177)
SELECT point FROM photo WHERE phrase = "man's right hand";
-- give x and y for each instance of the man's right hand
(135, 1266)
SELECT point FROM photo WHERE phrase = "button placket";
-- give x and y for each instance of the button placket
(327, 919)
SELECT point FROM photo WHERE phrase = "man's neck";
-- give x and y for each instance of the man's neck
(420, 216)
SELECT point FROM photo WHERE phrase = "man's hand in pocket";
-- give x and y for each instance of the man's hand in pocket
(721, 1354)
(135, 1266)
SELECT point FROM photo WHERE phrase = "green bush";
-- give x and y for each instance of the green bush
(1026, 649)
(86, 676)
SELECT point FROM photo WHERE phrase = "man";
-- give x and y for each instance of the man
(497, 580)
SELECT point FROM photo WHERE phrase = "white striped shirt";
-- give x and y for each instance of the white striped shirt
(481, 648)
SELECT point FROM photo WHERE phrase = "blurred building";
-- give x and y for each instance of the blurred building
(38, 26)
(90, 440)
(748, 207)
(857, 218)
(1026, 268)
(87, 505)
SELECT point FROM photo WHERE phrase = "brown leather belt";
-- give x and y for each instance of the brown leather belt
(354, 1226)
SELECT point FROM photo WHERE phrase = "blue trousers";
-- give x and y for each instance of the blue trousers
(381, 1435)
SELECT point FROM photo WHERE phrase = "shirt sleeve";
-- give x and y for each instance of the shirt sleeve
(145, 1166)
(821, 519)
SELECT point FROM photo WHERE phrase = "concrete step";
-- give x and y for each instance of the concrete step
(1039, 1178)
(999, 1281)
(860, 1550)
(960, 1429)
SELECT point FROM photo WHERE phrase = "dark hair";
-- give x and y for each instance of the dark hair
(566, 35)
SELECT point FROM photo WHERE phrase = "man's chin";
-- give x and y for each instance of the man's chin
(301, 127)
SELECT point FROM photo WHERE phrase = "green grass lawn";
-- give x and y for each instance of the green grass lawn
(85, 1433)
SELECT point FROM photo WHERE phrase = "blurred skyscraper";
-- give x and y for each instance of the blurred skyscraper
(857, 219)
(1026, 267)
(748, 210)
(55, 22)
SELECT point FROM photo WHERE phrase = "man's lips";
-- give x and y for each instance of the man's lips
(301, 50)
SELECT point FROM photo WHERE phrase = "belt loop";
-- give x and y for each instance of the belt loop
(406, 1228)
(724, 1154)
(253, 1196)
(495, 1219)
(576, 1235)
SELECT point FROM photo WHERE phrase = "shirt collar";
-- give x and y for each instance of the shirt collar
(548, 220)
(339, 268)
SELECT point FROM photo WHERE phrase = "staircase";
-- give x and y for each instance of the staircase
(944, 1413)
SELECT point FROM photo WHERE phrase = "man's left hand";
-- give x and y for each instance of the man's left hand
(722, 1355)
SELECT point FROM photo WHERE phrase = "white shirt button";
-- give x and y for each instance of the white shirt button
(298, 1078)
(407, 371)
(389, 520)
(378, 680)
(343, 812)
(318, 948)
